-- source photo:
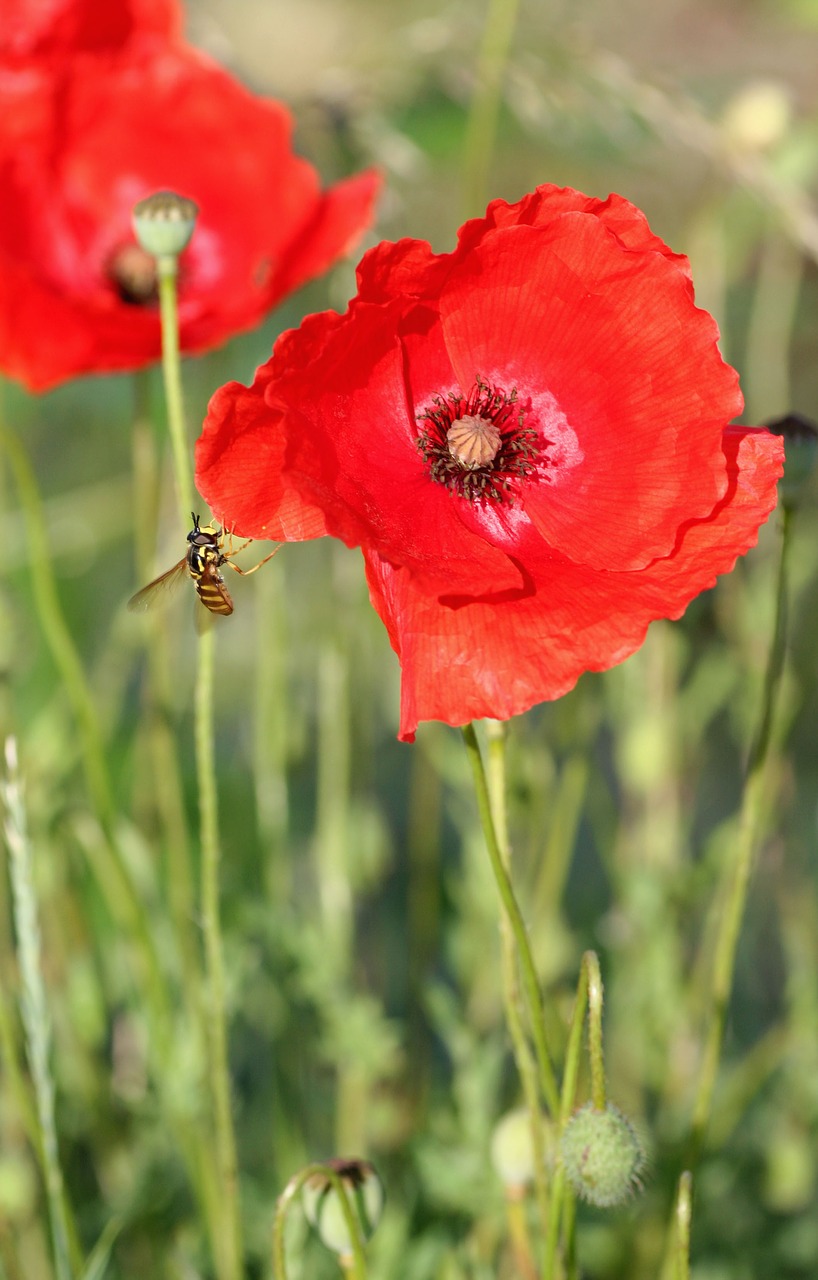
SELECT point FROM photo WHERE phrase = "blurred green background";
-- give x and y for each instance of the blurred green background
(359, 911)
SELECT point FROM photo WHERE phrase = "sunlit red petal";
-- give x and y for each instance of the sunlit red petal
(370, 487)
(496, 660)
(239, 433)
(623, 369)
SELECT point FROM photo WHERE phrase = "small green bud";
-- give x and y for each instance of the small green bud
(602, 1155)
(163, 223)
(322, 1204)
(800, 436)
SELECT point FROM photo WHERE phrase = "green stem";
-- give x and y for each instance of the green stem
(589, 996)
(683, 1215)
(531, 988)
(481, 130)
(357, 1270)
(227, 1243)
(590, 963)
(56, 632)
(750, 822)
(226, 1228)
(512, 998)
(115, 880)
(168, 791)
(36, 1019)
(171, 372)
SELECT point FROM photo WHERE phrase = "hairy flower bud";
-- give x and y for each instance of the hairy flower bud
(602, 1154)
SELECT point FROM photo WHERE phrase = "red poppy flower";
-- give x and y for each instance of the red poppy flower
(527, 438)
(54, 28)
(79, 147)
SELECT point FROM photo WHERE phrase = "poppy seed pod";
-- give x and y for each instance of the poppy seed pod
(163, 223)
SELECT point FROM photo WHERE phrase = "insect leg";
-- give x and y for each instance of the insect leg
(245, 573)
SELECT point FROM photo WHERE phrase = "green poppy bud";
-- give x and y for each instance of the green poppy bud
(322, 1204)
(163, 223)
(603, 1156)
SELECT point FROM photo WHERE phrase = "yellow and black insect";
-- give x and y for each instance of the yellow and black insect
(203, 563)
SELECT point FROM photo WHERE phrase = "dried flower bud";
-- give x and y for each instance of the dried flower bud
(323, 1207)
(603, 1156)
(163, 223)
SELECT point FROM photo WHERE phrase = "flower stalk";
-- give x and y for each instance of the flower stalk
(108, 865)
(36, 1019)
(226, 1231)
(167, 274)
(511, 908)
(684, 1206)
(526, 1065)
(589, 997)
(481, 131)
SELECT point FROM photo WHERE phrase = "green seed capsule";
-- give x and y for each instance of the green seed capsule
(163, 223)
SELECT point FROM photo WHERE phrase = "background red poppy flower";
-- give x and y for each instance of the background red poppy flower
(56, 28)
(631, 493)
(79, 147)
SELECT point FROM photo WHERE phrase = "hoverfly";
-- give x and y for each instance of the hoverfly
(203, 562)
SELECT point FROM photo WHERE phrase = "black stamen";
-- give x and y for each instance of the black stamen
(515, 457)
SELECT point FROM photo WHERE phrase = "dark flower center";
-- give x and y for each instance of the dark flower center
(133, 274)
(477, 444)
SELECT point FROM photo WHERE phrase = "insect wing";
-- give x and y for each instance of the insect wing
(160, 590)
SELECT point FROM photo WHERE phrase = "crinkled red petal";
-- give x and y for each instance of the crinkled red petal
(351, 452)
(464, 661)
(242, 442)
(622, 372)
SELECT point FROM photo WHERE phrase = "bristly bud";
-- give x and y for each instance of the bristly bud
(163, 223)
(800, 436)
(322, 1205)
(603, 1156)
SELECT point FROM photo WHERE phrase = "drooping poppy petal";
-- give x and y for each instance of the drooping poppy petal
(528, 438)
(79, 146)
(499, 661)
